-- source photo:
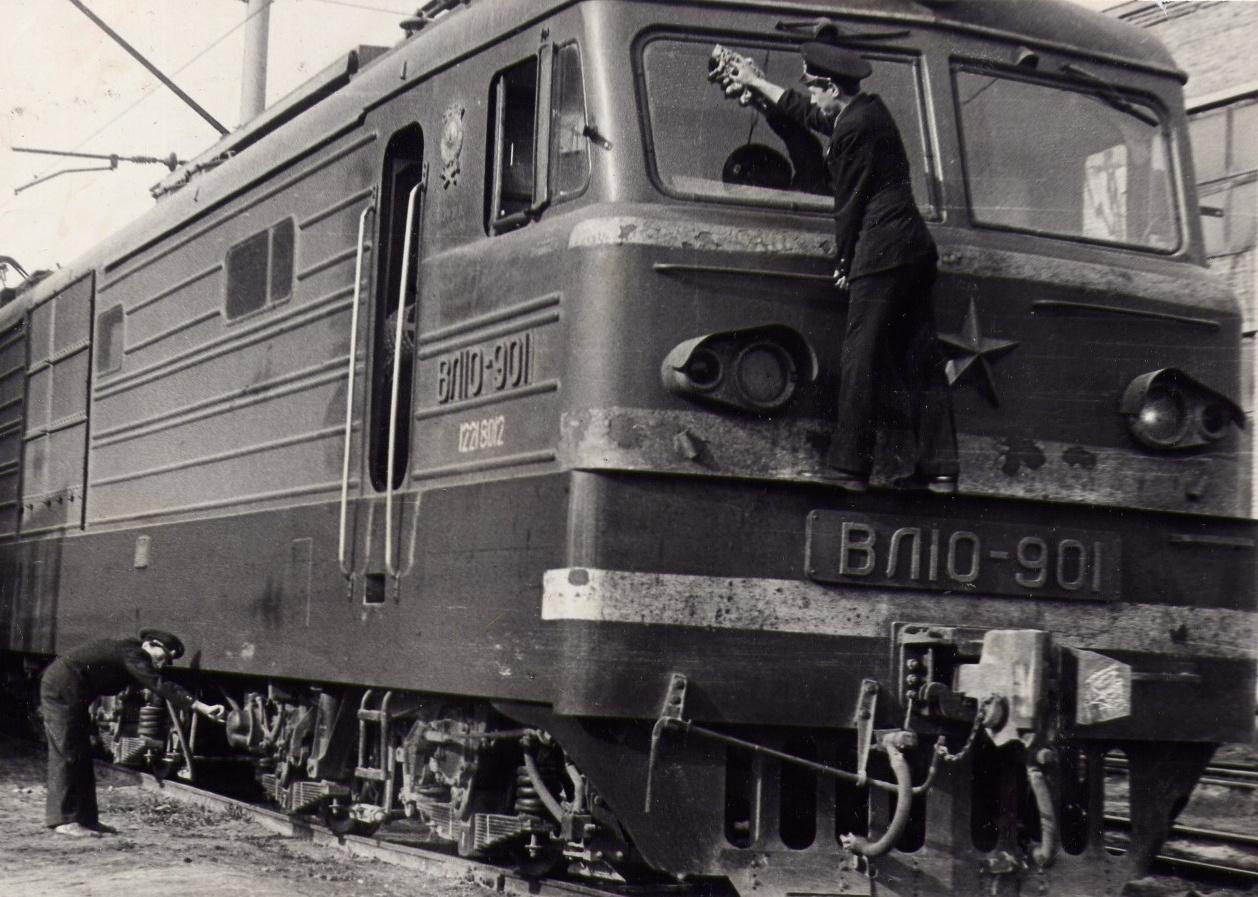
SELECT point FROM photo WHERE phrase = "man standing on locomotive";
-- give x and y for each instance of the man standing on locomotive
(885, 258)
(66, 691)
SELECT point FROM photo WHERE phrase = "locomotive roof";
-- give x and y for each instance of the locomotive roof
(1060, 23)
(337, 98)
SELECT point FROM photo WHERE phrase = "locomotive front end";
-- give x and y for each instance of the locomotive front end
(899, 691)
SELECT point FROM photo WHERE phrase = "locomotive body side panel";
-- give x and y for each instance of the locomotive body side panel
(229, 391)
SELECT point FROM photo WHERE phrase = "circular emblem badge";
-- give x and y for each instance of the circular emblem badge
(451, 145)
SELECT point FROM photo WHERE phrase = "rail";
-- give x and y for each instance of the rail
(347, 570)
(495, 879)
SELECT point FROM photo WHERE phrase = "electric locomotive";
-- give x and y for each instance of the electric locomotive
(458, 411)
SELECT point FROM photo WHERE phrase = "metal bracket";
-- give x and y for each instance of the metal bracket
(670, 712)
(866, 706)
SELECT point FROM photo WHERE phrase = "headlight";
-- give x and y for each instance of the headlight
(1167, 409)
(757, 369)
(766, 374)
(1163, 417)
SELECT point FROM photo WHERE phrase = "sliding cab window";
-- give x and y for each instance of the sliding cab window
(705, 146)
(1066, 159)
(260, 270)
(537, 103)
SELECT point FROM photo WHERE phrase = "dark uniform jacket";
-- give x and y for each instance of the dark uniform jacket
(105, 667)
(877, 226)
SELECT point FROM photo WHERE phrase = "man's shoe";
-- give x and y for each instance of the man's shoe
(940, 485)
(104, 829)
(75, 830)
(841, 478)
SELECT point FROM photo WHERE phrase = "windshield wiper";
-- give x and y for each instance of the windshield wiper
(1108, 93)
(825, 29)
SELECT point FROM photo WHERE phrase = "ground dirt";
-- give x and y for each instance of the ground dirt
(169, 849)
(166, 848)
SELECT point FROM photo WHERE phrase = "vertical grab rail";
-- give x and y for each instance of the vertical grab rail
(347, 572)
(397, 365)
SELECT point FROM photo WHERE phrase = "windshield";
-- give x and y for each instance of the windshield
(707, 146)
(1086, 162)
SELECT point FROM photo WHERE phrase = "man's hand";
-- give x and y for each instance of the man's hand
(746, 80)
(215, 712)
(743, 71)
(840, 281)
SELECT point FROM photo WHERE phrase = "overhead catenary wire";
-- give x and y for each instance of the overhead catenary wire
(148, 93)
(154, 70)
(351, 5)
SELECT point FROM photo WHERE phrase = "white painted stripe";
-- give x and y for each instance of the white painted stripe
(787, 605)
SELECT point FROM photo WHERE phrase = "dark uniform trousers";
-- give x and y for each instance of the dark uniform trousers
(69, 685)
(891, 360)
(71, 777)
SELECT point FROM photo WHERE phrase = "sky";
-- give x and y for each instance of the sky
(64, 84)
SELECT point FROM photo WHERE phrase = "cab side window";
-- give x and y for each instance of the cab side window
(538, 137)
(512, 134)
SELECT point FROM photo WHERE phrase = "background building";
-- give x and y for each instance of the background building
(1214, 43)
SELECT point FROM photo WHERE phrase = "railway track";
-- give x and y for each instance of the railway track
(1193, 853)
(385, 849)
(1242, 776)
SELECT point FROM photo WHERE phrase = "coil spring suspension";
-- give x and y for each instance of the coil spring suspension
(527, 803)
(153, 722)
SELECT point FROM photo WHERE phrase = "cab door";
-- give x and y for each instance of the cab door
(389, 411)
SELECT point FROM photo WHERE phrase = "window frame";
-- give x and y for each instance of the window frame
(494, 222)
(268, 300)
(558, 196)
(117, 347)
(958, 64)
(545, 191)
(1226, 183)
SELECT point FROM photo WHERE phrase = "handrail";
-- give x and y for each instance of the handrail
(397, 368)
(347, 572)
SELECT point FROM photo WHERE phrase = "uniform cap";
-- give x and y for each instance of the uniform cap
(829, 61)
(172, 643)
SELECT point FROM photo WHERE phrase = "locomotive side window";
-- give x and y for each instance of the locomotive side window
(1063, 161)
(109, 340)
(704, 146)
(246, 275)
(513, 114)
(570, 149)
(259, 268)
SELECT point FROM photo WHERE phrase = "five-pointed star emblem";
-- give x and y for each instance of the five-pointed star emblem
(974, 353)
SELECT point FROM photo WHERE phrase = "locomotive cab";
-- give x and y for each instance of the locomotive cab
(464, 410)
